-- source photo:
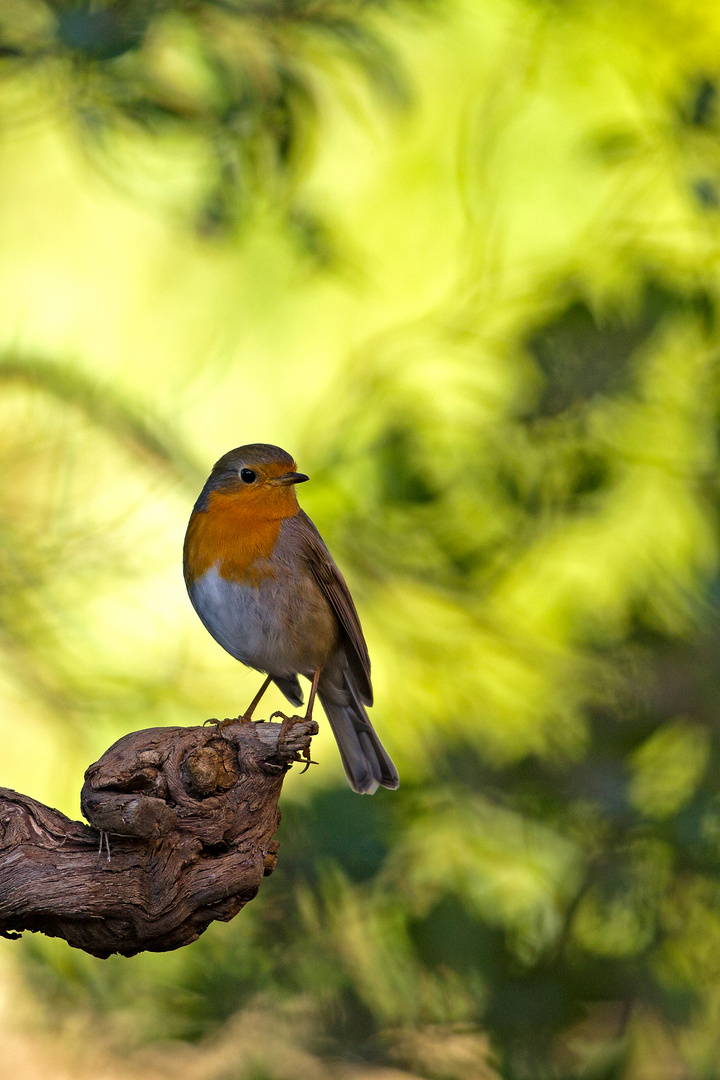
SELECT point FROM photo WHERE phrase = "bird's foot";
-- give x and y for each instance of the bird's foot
(220, 724)
(307, 759)
(289, 722)
(283, 716)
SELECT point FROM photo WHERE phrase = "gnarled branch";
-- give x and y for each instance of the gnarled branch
(182, 821)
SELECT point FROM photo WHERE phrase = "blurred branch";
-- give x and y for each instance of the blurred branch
(183, 824)
(243, 80)
(106, 408)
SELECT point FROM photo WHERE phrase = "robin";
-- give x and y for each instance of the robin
(266, 587)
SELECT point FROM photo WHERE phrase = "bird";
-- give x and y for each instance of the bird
(266, 588)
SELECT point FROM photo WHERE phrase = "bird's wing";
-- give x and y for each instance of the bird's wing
(335, 589)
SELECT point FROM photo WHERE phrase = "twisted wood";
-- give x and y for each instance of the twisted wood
(181, 834)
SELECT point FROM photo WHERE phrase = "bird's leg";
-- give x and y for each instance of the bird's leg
(291, 721)
(313, 694)
(247, 715)
(311, 702)
(308, 716)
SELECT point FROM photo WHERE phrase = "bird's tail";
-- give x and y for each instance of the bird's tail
(366, 761)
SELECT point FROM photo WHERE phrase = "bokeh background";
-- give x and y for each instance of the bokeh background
(462, 259)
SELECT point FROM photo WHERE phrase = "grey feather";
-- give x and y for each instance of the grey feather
(290, 688)
(365, 759)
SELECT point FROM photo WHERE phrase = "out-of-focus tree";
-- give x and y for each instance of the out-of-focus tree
(235, 87)
(522, 485)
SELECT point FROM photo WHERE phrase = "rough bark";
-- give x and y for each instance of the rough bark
(181, 834)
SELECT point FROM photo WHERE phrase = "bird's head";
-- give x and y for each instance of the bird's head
(263, 477)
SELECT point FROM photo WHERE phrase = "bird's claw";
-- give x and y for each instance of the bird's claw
(283, 715)
(220, 724)
(289, 722)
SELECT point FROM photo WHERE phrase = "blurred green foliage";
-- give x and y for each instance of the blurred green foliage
(509, 406)
(239, 83)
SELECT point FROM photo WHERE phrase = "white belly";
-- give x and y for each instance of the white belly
(244, 619)
(274, 627)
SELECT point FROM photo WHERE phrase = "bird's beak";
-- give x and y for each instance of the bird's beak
(291, 478)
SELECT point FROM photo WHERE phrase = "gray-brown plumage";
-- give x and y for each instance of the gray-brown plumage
(265, 585)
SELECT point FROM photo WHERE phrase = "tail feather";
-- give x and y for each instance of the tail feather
(365, 759)
(290, 687)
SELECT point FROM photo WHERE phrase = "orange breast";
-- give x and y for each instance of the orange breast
(235, 536)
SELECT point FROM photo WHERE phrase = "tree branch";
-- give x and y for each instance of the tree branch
(182, 825)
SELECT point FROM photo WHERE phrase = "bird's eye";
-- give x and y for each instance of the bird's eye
(247, 476)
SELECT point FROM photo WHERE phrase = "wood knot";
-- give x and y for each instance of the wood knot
(210, 769)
